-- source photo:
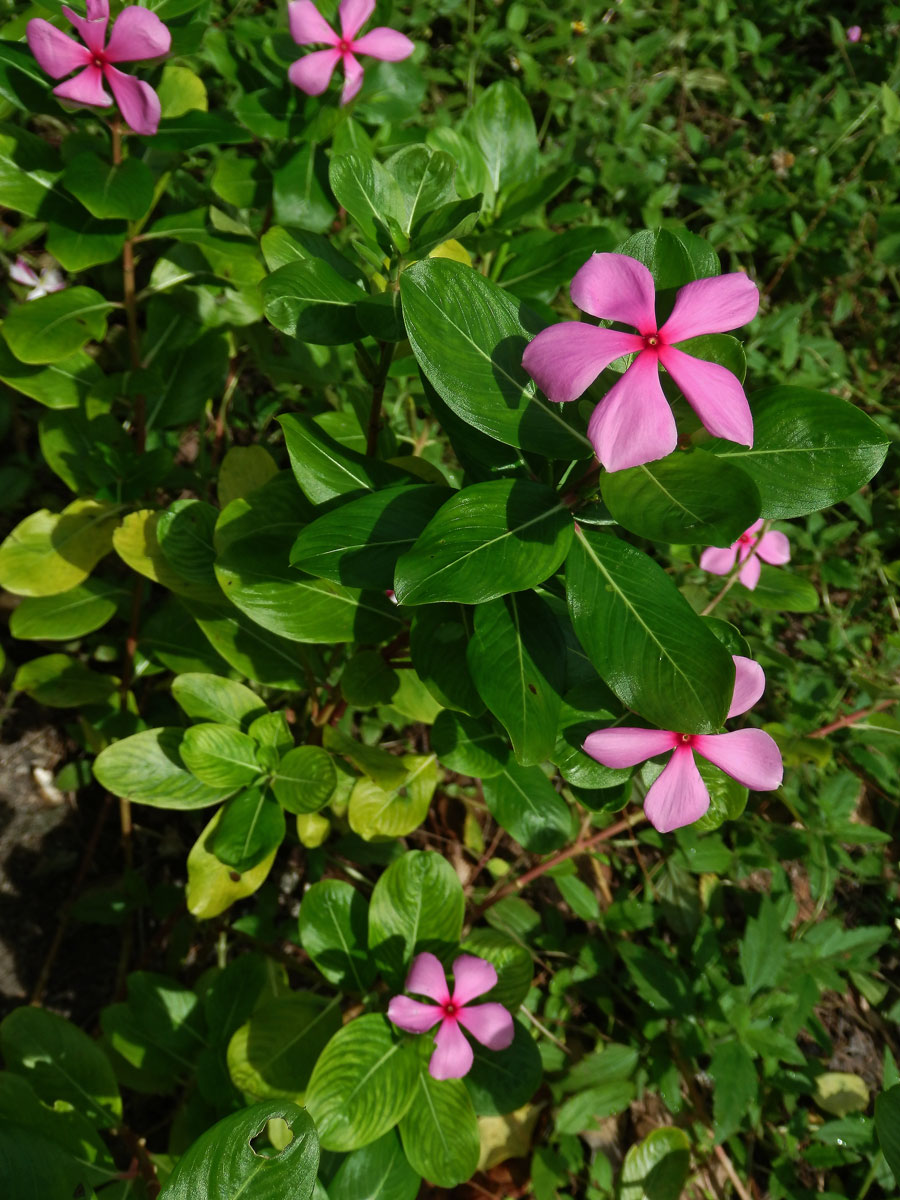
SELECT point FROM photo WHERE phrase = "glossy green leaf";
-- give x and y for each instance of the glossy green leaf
(517, 660)
(63, 682)
(107, 191)
(147, 768)
(60, 1129)
(468, 745)
(810, 450)
(252, 827)
(216, 698)
(68, 615)
(155, 1037)
(378, 1171)
(61, 1063)
(735, 1087)
(304, 779)
(727, 797)
(377, 812)
(359, 543)
(539, 272)
(487, 540)
(643, 637)
(220, 755)
(273, 1054)
(368, 192)
(887, 1126)
(673, 257)
(468, 338)
(50, 553)
(417, 904)
(326, 469)
(309, 300)
(61, 385)
(512, 962)
(437, 644)
(300, 194)
(224, 1162)
(501, 1081)
(424, 178)
(656, 1168)
(256, 653)
(502, 126)
(54, 327)
(692, 497)
(525, 803)
(185, 535)
(439, 1131)
(363, 1083)
(334, 933)
(367, 679)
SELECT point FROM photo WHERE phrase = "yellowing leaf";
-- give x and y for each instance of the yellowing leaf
(506, 1137)
(136, 543)
(840, 1093)
(243, 470)
(181, 91)
(452, 249)
(212, 887)
(49, 553)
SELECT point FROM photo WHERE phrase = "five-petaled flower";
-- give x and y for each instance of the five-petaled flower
(679, 796)
(772, 547)
(312, 72)
(633, 424)
(50, 279)
(137, 35)
(490, 1023)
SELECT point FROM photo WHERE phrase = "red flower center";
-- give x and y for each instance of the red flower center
(345, 46)
(99, 61)
(651, 341)
(449, 1009)
(746, 539)
(687, 739)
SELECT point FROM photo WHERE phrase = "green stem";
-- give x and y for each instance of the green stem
(378, 381)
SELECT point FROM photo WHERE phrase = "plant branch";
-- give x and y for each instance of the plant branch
(378, 381)
(851, 718)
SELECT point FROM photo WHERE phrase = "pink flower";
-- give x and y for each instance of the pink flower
(679, 795)
(491, 1024)
(854, 33)
(773, 547)
(137, 35)
(49, 280)
(312, 72)
(633, 424)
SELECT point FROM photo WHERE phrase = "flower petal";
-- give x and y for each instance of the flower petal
(97, 10)
(353, 78)
(387, 44)
(426, 976)
(749, 573)
(308, 26)
(616, 288)
(55, 51)
(354, 14)
(565, 359)
(312, 72)
(85, 88)
(773, 547)
(472, 977)
(748, 755)
(412, 1015)
(627, 747)
(633, 424)
(718, 561)
(712, 306)
(53, 280)
(679, 796)
(453, 1055)
(715, 395)
(20, 272)
(137, 34)
(491, 1024)
(137, 101)
(749, 685)
(92, 31)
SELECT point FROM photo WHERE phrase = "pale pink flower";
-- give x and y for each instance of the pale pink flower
(633, 423)
(854, 33)
(313, 72)
(772, 547)
(679, 796)
(50, 279)
(490, 1023)
(137, 35)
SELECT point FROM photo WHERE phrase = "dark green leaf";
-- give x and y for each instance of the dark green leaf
(437, 644)
(525, 803)
(467, 745)
(417, 904)
(326, 469)
(309, 300)
(53, 327)
(333, 932)
(124, 191)
(251, 827)
(440, 1130)
(501, 1081)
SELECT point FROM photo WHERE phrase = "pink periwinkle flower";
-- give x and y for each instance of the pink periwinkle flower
(633, 423)
(137, 35)
(50, 279)
(854, 33)
(679, 796)
(772, 547)
(313, 72)
(490, 1023)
